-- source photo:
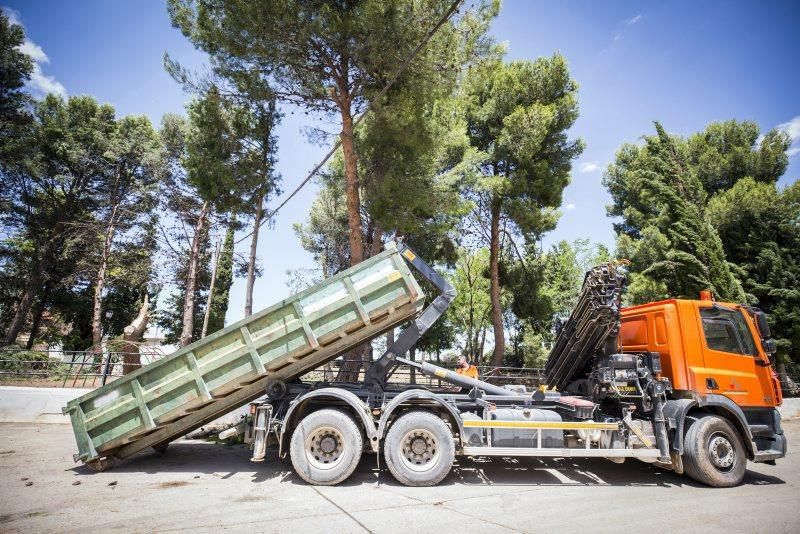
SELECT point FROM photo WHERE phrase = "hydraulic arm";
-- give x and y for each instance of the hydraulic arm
(382, 368)
(591, 329)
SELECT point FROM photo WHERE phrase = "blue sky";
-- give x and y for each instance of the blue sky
(683, 63)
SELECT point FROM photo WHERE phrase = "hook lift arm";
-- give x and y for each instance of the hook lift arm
(381, 368)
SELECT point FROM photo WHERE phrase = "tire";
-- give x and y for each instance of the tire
(713, 452)
(431, 459)
(326, 447)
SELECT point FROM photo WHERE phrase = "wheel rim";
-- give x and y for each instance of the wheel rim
(721, 451)
(325, 447)
(419, 450)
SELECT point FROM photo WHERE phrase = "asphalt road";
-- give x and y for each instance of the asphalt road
(203, 486)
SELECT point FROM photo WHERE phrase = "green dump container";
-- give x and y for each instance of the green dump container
(215, 375)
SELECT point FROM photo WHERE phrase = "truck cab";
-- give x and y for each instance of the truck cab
(716, 356)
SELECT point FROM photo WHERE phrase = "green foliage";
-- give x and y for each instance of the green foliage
(759, 225)
(300, 46)
(470, 312)
(230, 151)
(705, 212)
(169, 316)
(671, 243)
(52, 196)
(544, 289)
(517, 115)
(223, 283)
(709, 161)
(325, 232)
(15, 70)
(333, 58)
(18, 362)
(181, 200)
(726, 152)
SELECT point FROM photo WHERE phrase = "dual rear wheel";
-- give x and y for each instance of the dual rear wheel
(327, 444)
(419, 449)
(326, 447)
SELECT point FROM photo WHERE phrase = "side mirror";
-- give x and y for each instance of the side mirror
(769, 346)
(763, 325)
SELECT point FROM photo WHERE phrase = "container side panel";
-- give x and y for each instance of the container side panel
(197, 382)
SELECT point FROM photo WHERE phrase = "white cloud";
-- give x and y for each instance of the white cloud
(12, 14)
(35, 51)
(570, 206)
(589, 166)
(44, 84)
(40, 83)
(634, 20)
(793, 129)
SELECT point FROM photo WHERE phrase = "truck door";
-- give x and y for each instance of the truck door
(731, 357)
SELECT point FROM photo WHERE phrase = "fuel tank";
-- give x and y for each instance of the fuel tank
(519, 437)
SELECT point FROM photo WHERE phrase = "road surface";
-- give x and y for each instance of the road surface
(203, 486)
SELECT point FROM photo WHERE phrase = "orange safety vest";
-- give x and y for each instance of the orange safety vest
(470, 371)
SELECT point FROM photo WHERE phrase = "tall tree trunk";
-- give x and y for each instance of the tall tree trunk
(100, 282)
(211, 290)
(481, 346)
(377, 240)
(494, 285)
(37, 316)
(35, 282)
(353, 195)
(352, 359)
(251, 261)
(191, 277)
(132, 334)
(471, 341)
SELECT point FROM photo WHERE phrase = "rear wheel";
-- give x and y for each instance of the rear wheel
(326, 447)
(713, 452)
(419, 449)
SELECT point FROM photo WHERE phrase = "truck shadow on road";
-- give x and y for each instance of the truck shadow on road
(195, 457)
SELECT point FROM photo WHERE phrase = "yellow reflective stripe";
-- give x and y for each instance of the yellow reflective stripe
(563, 425)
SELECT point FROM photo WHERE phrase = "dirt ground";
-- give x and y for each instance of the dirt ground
(203, 486)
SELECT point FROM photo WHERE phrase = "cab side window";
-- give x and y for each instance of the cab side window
(726, 331)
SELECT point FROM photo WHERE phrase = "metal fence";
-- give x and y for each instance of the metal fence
(405, 375)
(60, 368)
(89, 369)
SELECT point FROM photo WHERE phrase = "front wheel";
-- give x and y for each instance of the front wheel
(713, 452)
(326, 447)
(419, 449)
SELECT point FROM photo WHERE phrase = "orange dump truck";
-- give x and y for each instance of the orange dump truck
(685, 385)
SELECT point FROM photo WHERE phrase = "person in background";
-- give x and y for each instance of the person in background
(463, 367)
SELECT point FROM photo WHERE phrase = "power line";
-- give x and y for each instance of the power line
(358, 119)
